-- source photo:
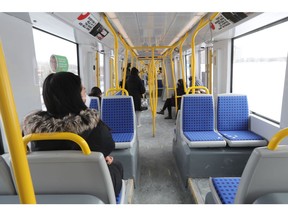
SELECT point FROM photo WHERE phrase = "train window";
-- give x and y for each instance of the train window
(47, 45)
(53, 54)
(259, 64)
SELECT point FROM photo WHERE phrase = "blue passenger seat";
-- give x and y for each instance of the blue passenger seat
(94, 103)
(197, 122)
(233, 121)
(264, 178)
(119, 114)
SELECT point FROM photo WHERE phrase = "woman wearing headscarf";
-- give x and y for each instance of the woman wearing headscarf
(64, 98)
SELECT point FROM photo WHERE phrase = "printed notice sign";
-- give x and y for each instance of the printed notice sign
(221, 22)
(88, 23)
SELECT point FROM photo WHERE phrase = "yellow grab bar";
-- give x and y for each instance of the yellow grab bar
(117, 89)
(277, 138)
(197, 87)
(14, 137)
(58, 136)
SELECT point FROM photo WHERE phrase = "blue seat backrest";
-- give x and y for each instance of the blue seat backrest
(94, 104)
(197, 111)
(117, 113)
(232, 113)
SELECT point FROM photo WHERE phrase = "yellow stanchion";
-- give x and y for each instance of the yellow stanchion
(97, 81)
(115, 50)
(203, 22)
(14, 136)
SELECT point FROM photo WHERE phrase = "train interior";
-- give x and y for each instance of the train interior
(181, 160)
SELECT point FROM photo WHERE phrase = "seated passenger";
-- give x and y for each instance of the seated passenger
(63, 96)
(171, 101)
(198, 82)
(96, 92)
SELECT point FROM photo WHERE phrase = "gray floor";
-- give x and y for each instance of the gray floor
(159, 180)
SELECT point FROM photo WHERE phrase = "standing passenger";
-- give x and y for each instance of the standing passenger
(63, 96)
(136, 89)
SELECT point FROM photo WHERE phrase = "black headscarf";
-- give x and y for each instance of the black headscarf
(62, 94)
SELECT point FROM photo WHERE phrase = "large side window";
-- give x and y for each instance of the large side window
(53, 54)
(259, 64)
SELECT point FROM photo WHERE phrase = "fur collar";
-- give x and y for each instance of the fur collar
(42, 122)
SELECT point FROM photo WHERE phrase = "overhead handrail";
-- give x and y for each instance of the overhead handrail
(277, 138)
(14, 137)
(58, 136)
(123, 90)
(197, 87)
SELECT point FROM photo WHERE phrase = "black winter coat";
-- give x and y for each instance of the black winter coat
(87, 124)
(135, 88)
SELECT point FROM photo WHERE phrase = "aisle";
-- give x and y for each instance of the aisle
(159, 181)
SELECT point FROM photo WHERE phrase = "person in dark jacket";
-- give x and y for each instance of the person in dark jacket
(136, 89)
(66, 112)
(171, 101)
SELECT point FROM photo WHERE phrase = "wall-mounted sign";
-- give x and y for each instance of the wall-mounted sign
(58, 63)
(221, 22)
(88, 23)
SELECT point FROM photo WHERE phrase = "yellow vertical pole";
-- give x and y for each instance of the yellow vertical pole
(182, 69)
(115, 50)
(201, 25)
(14, 137)
(210, 74)
(112, 83)
(125, 68)
(182, 62)
(165, 77)
(173, 76)
(97, 81)
(155, 92)
(132, 61)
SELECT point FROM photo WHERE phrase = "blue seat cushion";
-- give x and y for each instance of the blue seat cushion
(226, 188)
(122, 137)
(240, 135)
(203, 136)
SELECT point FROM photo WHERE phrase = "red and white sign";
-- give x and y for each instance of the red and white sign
(88, 23)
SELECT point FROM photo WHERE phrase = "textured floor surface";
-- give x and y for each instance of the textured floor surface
(159, 180)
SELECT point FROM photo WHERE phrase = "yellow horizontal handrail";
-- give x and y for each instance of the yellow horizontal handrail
(58, 136)
(117, 89)
(277, 138)
(197, 87)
